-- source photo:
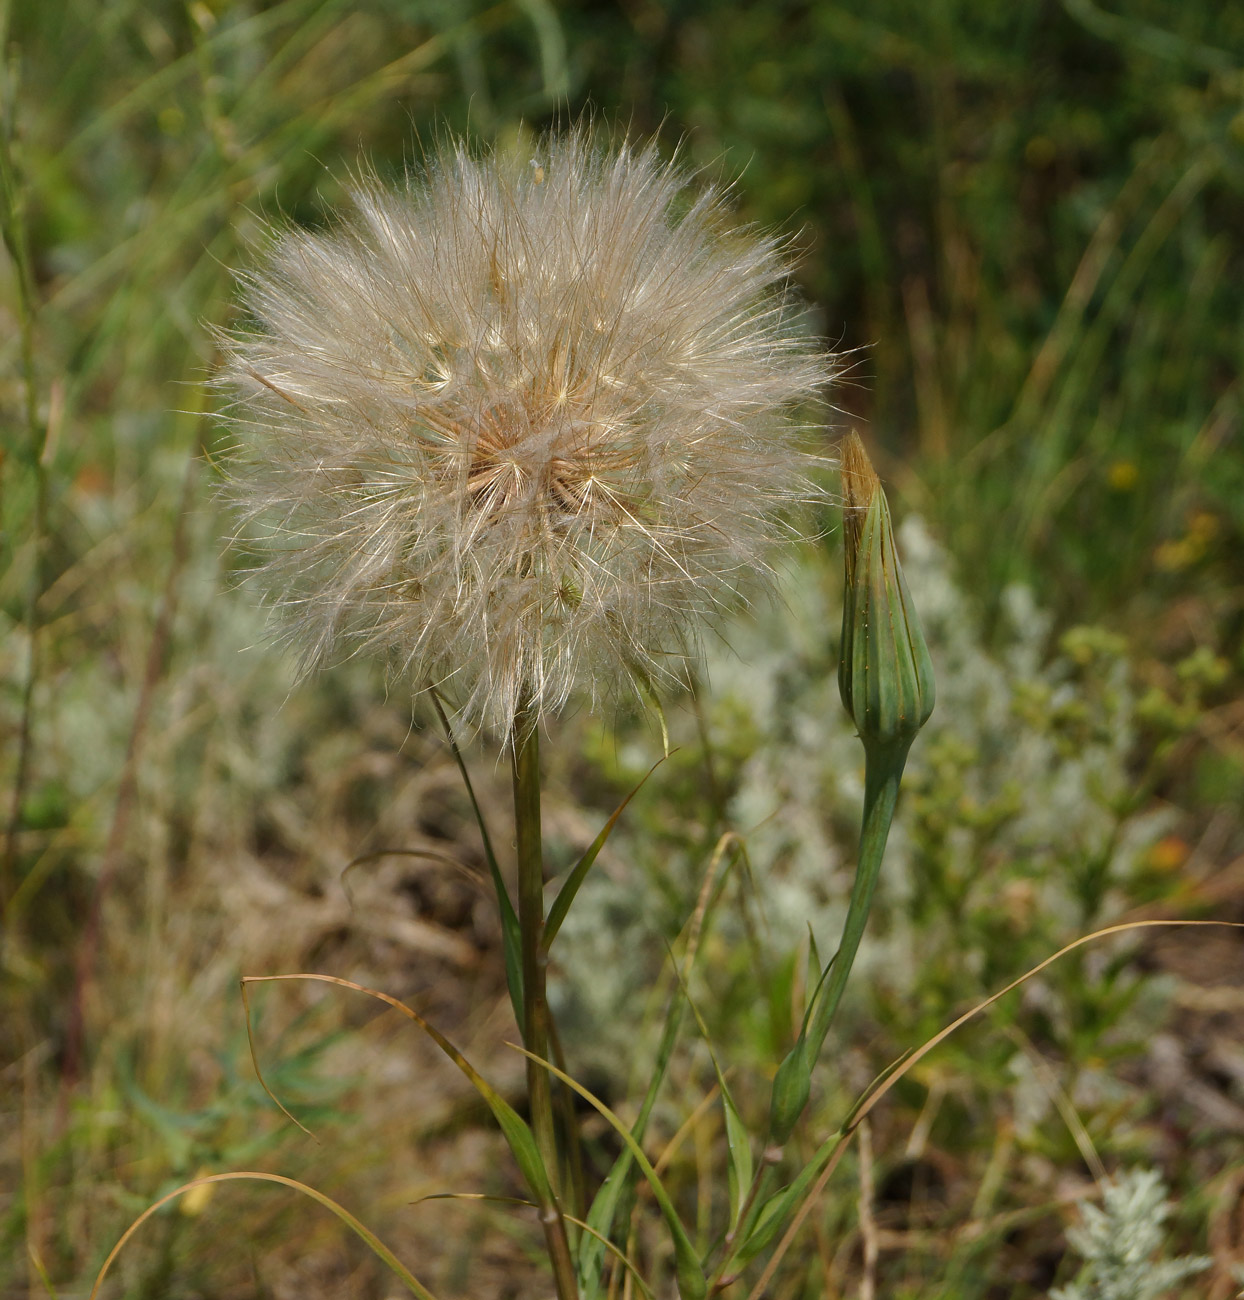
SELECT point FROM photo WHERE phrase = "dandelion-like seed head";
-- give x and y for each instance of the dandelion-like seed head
(525, 426)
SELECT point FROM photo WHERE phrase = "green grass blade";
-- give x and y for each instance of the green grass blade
(566, 895)
(692, 1282)
(814, 961)
(774, 1213)
(620, 1255)
(611, 1199)
(511, 932)
(738, 1142)
(613, 1191)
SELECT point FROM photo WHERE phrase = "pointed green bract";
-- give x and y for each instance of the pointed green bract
(792, 1086)
(885, 675)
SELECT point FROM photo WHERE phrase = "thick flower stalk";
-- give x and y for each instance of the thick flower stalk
(524, 425)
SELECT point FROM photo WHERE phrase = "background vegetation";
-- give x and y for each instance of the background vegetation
(1025, 222)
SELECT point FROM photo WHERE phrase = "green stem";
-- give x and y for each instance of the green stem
(575, 1192)
(525, 754)
(883, 770)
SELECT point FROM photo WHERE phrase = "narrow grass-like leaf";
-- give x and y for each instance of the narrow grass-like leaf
(814, 960)
(640, 677)
(423, 855)
(263, 1083)
(574, 881)
(519, 1201)
(606, 1244)
(36, 1262)
(738, 1141)
(604, 1208)
(792, 1084)
(618, 1254)
(511, 931)
(692, 1283)
(739, 1145)
(775, 1211)
(382, 1252)
(870, 1100)
(576, 1191)
(617, 1185)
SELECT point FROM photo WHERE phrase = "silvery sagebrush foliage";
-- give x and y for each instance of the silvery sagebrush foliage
(773, 705)
(524, 424)
(1120, 1242)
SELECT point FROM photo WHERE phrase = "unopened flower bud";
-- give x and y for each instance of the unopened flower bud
(884, 673)
(792, 1085)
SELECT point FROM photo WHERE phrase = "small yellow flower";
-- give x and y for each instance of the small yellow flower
(197, 1199)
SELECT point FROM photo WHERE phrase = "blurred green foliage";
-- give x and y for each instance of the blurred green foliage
(1022, 220)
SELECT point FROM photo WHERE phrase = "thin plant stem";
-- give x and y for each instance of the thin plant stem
(576, 1193)
(526, 760)
(525, 753)
(883, 770)
(13, 225)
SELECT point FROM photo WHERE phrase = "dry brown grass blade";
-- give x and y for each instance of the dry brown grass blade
(381, 1250)
(422, 855)
(521, 1202)
(263, 1083)
(388, 999)
(866, 1104)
